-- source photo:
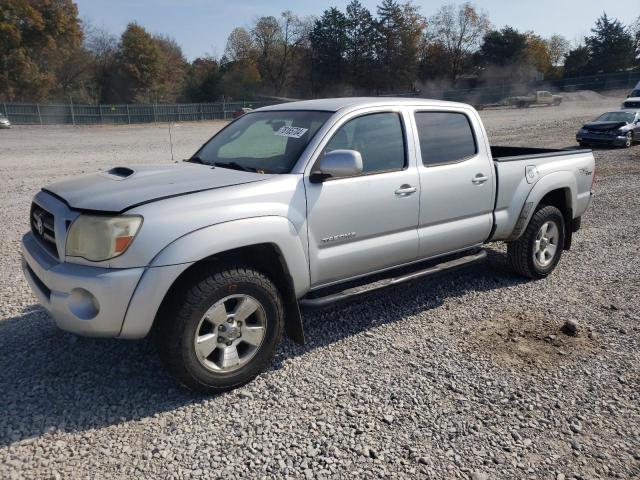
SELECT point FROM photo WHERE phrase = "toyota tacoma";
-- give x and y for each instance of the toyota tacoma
(296, 205)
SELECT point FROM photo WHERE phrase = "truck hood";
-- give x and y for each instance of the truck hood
(121, 188)
(604, 125)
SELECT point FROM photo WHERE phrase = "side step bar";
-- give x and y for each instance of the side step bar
(321, 302)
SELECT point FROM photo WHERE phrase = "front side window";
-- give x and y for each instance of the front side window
(265, 142)
(445, 137)
(378, 137)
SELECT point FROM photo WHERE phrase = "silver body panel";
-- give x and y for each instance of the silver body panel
(326, 232)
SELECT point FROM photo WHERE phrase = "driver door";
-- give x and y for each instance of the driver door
(365, 223)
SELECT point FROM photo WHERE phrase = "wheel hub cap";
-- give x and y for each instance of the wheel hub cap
(546, 244)
(230, 333)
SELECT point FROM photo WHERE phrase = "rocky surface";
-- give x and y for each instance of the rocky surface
(466, 376)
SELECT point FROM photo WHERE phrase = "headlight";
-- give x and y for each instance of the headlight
(97, 238)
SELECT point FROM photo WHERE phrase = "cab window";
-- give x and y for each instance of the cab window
(445, 137)
(379, 138)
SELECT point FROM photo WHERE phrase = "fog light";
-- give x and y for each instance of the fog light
(83, 304)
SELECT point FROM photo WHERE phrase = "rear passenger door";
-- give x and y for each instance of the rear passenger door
(362, 224)
(457, 187)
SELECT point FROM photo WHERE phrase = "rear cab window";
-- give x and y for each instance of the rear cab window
(445, 137)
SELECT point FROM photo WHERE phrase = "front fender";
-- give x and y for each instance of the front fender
(221, 237)
(179, 255)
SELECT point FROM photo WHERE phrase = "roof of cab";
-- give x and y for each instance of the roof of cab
(335, 104)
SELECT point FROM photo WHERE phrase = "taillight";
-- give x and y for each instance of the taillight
(593, 181)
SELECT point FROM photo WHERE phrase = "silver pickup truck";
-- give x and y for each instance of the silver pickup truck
(295, 205)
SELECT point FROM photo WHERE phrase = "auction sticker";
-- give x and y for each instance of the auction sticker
(293, 132)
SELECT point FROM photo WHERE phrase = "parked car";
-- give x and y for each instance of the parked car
(618, 129)
(296, 205)
(4, 122)
(633, 99)
(241, 111)
(541, 97)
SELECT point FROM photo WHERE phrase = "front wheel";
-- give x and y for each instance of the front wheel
(221, 329)
(537, 252)
(628, 140)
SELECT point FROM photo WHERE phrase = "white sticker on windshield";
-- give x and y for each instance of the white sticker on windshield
(293, 132)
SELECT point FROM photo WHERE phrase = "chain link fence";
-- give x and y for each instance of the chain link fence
(76, 114)
(72, 114)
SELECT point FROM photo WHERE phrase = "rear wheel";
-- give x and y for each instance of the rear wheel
(221, 330)
(537, 252)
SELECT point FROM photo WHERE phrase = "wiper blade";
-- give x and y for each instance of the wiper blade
(196, 159)
(235, 166)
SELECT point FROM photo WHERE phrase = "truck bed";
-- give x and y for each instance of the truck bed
(510, 154)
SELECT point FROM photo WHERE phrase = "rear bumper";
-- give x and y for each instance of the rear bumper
(89, 301)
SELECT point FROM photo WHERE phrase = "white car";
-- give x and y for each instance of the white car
(4, 122)
(633, 99)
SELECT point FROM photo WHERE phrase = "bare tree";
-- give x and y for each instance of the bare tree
(276, 42)
(459, 29)
(558, 47)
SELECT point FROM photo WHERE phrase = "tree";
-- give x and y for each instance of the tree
(537, 54)
(359, 46)
(558, 47)
(611, 46)
(503, 47)
(276, 42)
(328, 41)
(140, 62)
(103, 48)
(36, 39)
(577, 62)
(203, 81)
(389, 43)
(458, 30)
(169, 84)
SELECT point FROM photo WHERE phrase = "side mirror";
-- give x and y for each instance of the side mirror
(337, 164)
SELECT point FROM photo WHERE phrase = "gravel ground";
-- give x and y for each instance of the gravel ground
(466, 376)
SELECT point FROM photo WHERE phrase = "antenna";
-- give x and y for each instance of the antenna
(170, 141)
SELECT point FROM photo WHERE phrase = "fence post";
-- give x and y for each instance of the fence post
(201, 112)
(39, 114)
(128, 116)
(155, 120)
(100, 110)
(224, 109)
(73, 117)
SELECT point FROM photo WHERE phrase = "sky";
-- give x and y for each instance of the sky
(201, 27)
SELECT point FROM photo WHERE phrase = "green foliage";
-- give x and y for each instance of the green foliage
(47, 54)
(611, 46)
(37, 38)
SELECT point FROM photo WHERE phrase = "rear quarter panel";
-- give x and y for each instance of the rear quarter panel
(572, 173)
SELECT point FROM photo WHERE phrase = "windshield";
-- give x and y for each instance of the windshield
(616, 117)
(264, 142)
(635, 93)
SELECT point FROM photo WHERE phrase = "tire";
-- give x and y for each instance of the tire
(628, 140)
(528, 255)
(231, 309)
(584, 144)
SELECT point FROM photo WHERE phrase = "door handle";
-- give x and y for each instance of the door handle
(479, 179)
(405, 190)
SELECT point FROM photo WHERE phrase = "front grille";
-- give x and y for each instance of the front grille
(42, 226)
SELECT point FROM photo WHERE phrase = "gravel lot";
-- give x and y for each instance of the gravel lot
(448, 378)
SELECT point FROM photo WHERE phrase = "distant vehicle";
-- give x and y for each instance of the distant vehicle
(541, 97)
(633, 99)
(4, 122)
(618, 129)
(241, 111)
